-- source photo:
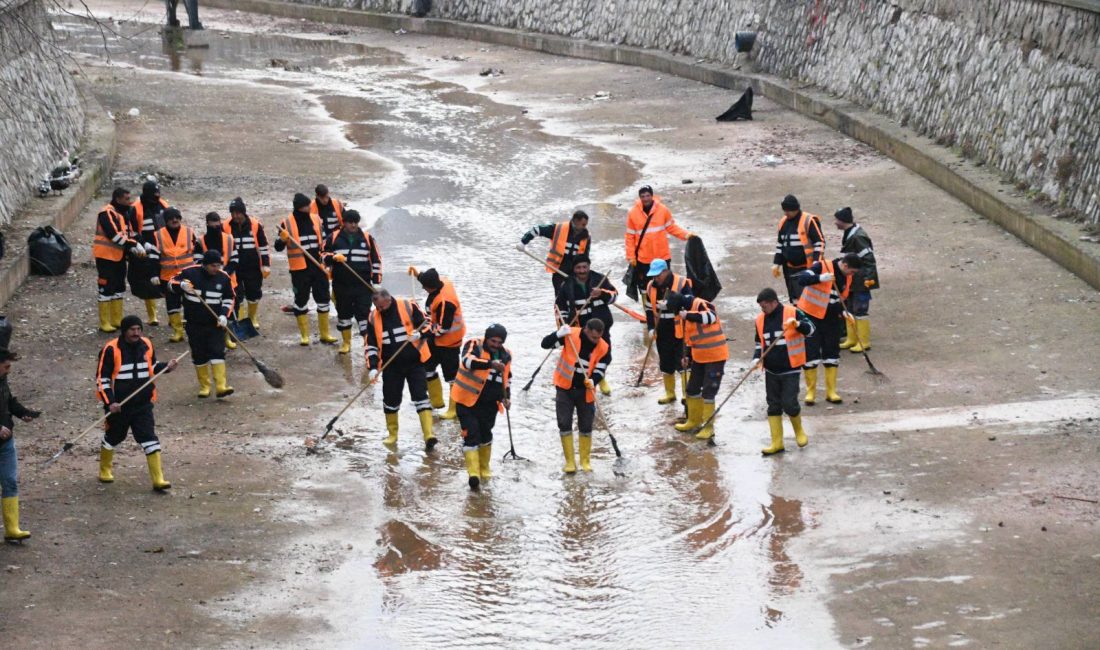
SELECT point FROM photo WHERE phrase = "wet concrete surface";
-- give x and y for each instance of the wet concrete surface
(880, 533)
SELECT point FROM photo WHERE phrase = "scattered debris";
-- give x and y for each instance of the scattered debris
(686, 181)
(1059, 496)
(285, 65)
(741, 109)
(771, 161)
(338, 32)
(399, 32)
(293, 139)
(133, 112)
(455, 57)
(600, 96)
(491, 72)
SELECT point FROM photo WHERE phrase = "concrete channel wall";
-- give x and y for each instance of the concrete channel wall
(979, 185)
(41, 112)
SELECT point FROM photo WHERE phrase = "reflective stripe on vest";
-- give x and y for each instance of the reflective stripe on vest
(558, 245)
(404, 309)
(678, 284)
(468, 384)
(452, 336)
(795, 344)
(178, 255)
(294, 255)
(105, 248)
(803, 234)
(707, 342)
(130, 371)
(568, 362)
(815, 298)
(150, 223)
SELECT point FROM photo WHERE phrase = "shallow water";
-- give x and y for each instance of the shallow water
(688, 549)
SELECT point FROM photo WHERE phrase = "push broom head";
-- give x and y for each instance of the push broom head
(272, 377)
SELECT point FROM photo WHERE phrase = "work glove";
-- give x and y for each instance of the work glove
(155, 281)
(284, 235)
(564, 331)
(521, 247)
(790, 325)
(649, 335)
(850, 319)
(776, 271)
(588, 383)
(222, 322)
(683, 313)
(372, 375)
(187, 286)
(661, 304)
(413, 272)
(825, 277)
(868, 283)
(138, 251)
(415, 336)
(339, 258)
(690, 235)
(266, 272)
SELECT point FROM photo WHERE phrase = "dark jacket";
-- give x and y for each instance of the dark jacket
(363, 257)
(574, 294)
(856, 240)
(777, 361)
(394, 336)
(215, 290)
(10, 408)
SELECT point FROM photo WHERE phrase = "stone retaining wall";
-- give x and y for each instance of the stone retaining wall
(1013, 84)
(41, 112)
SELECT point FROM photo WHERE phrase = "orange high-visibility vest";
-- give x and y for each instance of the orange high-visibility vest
(707, 342)
(803, 235)
(139, 213)
(337, 208)
(404, 309)
(556, 255)
(449, 338)
(654, 244)
(678, 284)
(139, 370)
(469, 383)
(294, 255)
(567, 363)
(177, 255)
(226, 251)
(105, 248)
(795, 344)
(815, 298)
(254, 225)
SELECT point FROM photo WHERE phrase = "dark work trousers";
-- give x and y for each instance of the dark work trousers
(207, 343)
(670, 350)
(394, 379)
(557, 281)
(823, 348)
(705, 379)
(174, 302)
(477, 424)
(111, 279)
(352, 303)
(571, 400)
(794, 290)
(132, 419)
(250, 283)
(310, 280)
(444, 358)
(859, 305)
(782, 392)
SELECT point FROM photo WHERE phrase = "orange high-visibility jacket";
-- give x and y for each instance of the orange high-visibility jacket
(654, 244)
(469, 383)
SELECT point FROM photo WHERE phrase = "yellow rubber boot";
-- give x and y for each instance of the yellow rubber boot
(473, 467)
(106, 460)
(426, 427)
(203, 373)
(151, 312)
(12, 532)
(105, 318)
(799, 432)
(695, 409)
(303, 329)
(450, 413)
(253, 313)
(586, 453)
(176, 321)
(345, 346)
(811, 385)
(484, 455)
(391, 428)
(567, 448)
(221, 387)
(670, 389)
(707, 410)
(775, 422)
(435, 392)
(322, 327)
(849, 335)
(831, 395)
(156, 472)
(230, 344)
(116, 313)
(605, 387)
(863, 334)
(685, 377)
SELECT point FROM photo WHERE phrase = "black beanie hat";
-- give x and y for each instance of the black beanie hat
(845, 215)
(429, 279)
(767, 295)
(237, 205)
(150, 188)
(128, 322)
(496, 330)
(211, 257)
(300, 201)
(790, 203)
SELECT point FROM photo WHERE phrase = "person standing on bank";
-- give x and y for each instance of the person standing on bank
(567, 240)
(782, 365)
(858, 242)
(301, 228)
(146, 218)
(205, 331)
(481, 390)
(705, 355)
(253, 259)
(799, 244)
(10, 408)
(583, 363)
(113, 241)
(575, 296)
(666, 324)
(125, 364)
(648, 225)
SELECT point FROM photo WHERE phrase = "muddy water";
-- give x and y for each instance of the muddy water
(688, 548)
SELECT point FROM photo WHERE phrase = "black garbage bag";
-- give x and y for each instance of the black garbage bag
(49, 251)
(704, 280)
(5, 332)
(741, 110)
